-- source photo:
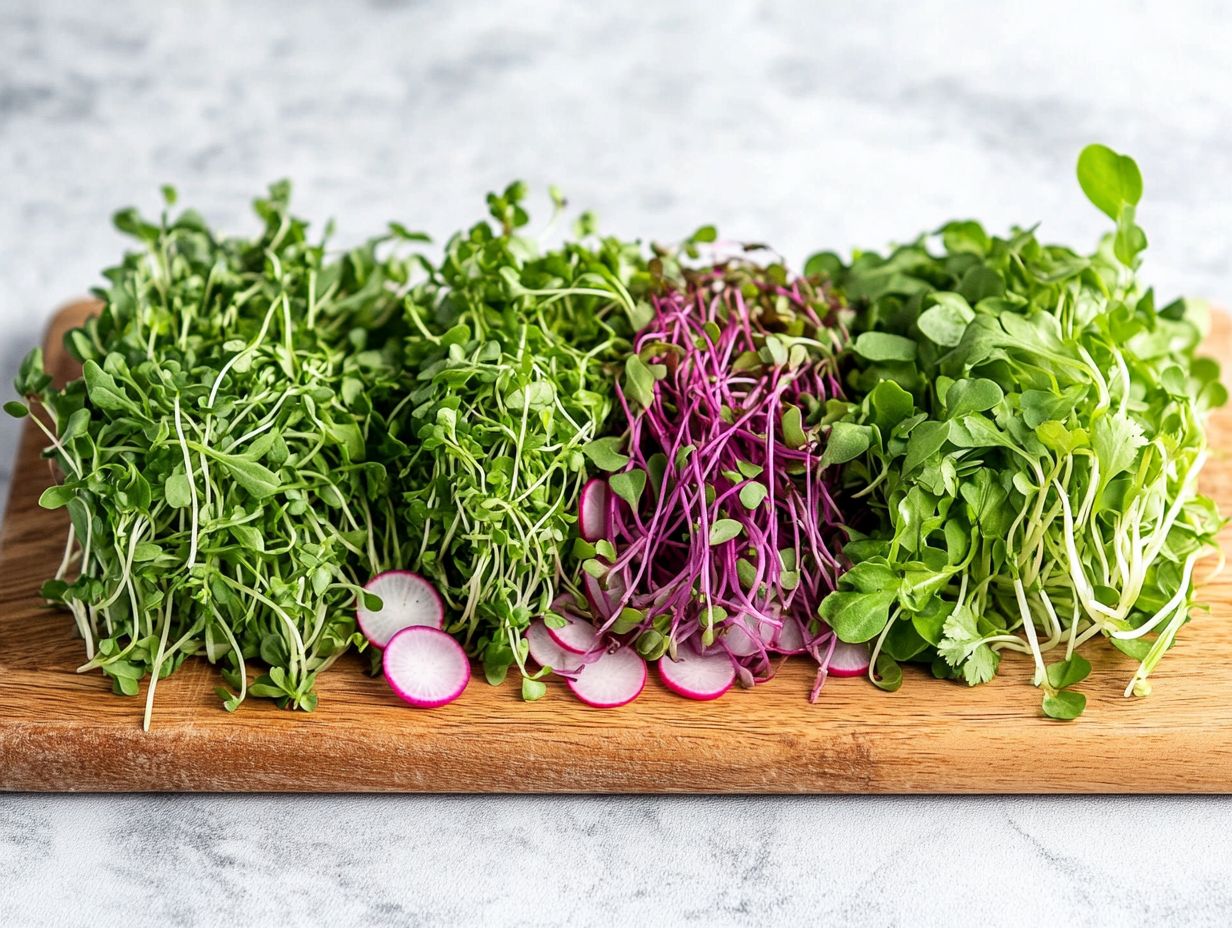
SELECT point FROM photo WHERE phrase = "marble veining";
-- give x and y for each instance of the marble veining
(808, 125)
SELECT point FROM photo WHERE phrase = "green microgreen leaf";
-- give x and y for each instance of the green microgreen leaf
(628, 486)
(639, 381)
(887, 674)
(752, 495)
(724, 530)
(793, 428)
(1068, 672)
(946, 322)
(605, 453)
(882, 346)
(1110, 181)
(857, 617)
(845, 442)
(1065, 705)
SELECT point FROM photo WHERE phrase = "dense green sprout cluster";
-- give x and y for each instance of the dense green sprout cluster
(510, 366)
(225, 466)
(1027, 445)
(263, 424)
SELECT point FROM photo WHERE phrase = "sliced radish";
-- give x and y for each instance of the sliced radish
(407, 600)
(604, 601)
(577, 637)
(697, 676)
(769, 631)
(739, 640)
(567, 604)
(426, 667)
(592, 510)
(613, 680)
(547, 653)
(790, 638)
(849, 660)
(742, 642)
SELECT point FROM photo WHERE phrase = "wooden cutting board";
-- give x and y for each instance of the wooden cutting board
(64, 731)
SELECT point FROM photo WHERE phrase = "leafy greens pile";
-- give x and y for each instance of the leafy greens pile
(260, 424)
(510, 363)
(1007, 434)
(721, 528)
(1027, 441)
(224, 464)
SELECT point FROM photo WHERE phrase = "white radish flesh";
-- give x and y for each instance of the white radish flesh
(790, 638)
(613, 680)
(577, 636)
(592, 510)
(407, 600)
(426, 667)
(738, 640)
(547, 653)
(849, 660)
(603, 601)
(697, 676)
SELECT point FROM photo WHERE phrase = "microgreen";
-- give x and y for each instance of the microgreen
(510, 353)
(224, 468)
(1011, 441)
(1032, 429)
(721, 525)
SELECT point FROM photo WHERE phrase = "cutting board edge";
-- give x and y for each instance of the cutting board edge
(63, 756)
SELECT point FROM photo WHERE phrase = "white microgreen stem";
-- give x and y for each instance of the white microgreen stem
(1028, 624)
(1178, 600)
(60, 449)
(191, 561)
(876, 652)
(156, 666)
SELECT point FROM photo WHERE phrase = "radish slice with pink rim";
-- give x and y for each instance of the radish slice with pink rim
(576, 637)
(697, 676)
(604, 601)
(425, 667)
(407, 600)
(592, 510)
(738, 639)
(849, 660)
(790, 638)
(615, 679)
(547, 653)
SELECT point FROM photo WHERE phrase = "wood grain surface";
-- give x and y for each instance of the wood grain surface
(63, 731)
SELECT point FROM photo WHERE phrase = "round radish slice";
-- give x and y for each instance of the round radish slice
(604, 601)
(697, 676)
(767, 630)
(742, 643)
(592, 510)
(407, 599)
(547, 653)
(577, 637)
(426, 667)
(849, 660)
(789, 638)
(613, 680)
(737, 638)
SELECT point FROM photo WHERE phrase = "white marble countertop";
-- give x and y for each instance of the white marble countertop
(784, 121)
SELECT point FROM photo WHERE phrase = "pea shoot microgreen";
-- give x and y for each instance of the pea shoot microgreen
(1027, 432)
